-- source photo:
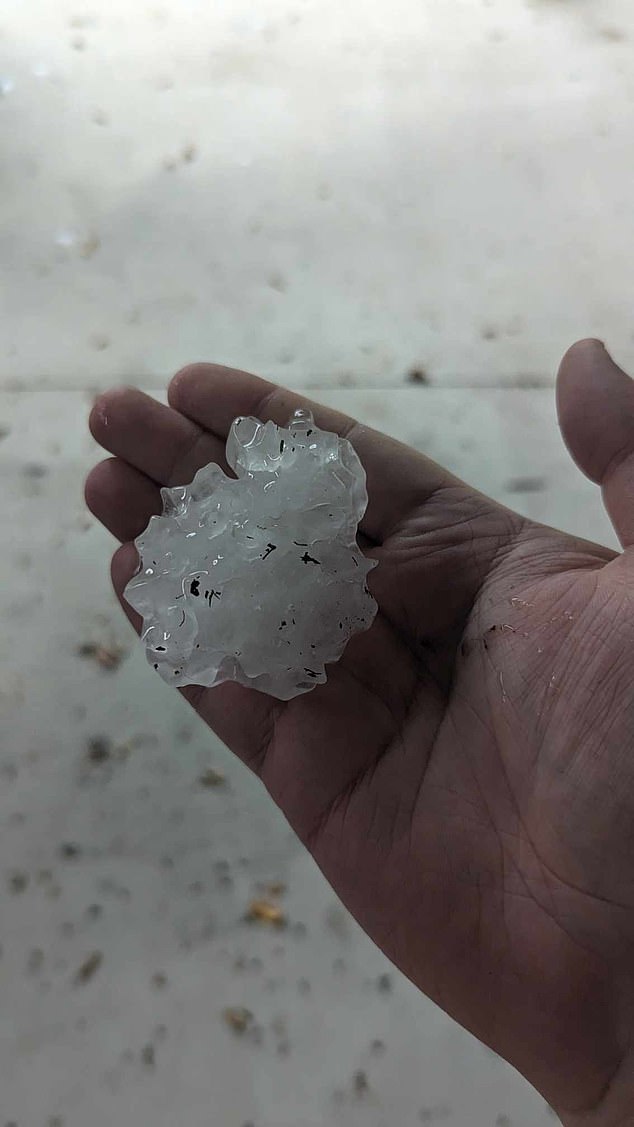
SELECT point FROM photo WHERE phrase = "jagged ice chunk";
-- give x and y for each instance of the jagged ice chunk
(259, 578)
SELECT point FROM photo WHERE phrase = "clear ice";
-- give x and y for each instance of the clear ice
(258, 578)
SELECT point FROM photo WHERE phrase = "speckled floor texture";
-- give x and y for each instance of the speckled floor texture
(409, 210)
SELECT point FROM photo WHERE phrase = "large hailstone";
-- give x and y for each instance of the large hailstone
(257, 579)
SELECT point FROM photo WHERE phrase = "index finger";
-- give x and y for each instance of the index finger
(399, 479)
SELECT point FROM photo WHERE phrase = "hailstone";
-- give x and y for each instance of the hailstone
(257, 579)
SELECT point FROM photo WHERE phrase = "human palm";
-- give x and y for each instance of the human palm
(465, 778)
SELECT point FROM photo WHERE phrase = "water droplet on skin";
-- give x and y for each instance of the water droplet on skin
(301, 415)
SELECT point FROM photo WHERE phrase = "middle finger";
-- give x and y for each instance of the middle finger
(157, 440)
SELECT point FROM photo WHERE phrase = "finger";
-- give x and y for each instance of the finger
(375, 659)
(595, 402)
(155, 439)
(398, 478)
(303, 750)
(122, 498)
(125, 564)
(244, 719)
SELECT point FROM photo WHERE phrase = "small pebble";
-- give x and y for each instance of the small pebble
(265, 912)
(360, 1082)
(18, 883)
(417, 376)
(238, 1018)
(99, 749)
(274, 888)
(148, 1056)
(88, 968)
(211, 778)
(89, 246)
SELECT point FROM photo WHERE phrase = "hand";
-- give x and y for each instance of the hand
(465, 779)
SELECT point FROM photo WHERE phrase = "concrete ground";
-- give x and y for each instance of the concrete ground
(409, 210)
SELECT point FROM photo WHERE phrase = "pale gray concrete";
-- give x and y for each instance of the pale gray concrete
(333, 195)
(328, 192)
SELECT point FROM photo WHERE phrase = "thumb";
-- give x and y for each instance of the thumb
(595, 404)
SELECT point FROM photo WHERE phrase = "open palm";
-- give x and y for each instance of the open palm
(465, 778)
